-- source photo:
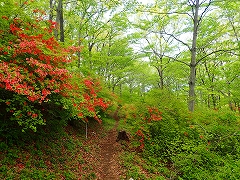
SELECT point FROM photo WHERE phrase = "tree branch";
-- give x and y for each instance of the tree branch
(179, 40)
(205, 11)
(166, 13)
(213, 52)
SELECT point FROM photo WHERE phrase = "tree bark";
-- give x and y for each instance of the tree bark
(59, 33)
(160, 73)
(51, 10)
(192, 78)
(60, 12)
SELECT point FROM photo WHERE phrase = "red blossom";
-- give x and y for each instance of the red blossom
(20, 166)
(80, 114)
(36, 68)
(8, 103)
(34, 115)
(88, 83)
(5, 17)
(91, 108)
(14, 29)
(86, 97)
(56, 90)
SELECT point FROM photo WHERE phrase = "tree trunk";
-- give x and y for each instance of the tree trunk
(51, 10)
(160, 73)
(59, 33)
(60, 11)
(192, 78)
(79, 53)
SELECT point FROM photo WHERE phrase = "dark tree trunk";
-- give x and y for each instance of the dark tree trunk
(51, 10)
(60, 12)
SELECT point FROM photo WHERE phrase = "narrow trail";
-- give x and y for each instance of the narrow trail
(109, 154)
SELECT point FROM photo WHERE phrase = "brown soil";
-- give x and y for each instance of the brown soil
(105, 153)
(109, 157)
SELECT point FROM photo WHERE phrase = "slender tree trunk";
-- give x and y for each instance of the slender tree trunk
(160, 73)
(51, 10)
(214, 101)
(56, 31)
(59, 33)
(208, 101)
(60, 11)
(78, 53)
(192, 78)
(120, 90)
(231, 106)
(90, 47)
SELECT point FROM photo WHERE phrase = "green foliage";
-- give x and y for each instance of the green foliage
(33, 75)
(184, 145)
(36, 89)
(130, 163)
(45, 154)
(35, 86)
(197, 145)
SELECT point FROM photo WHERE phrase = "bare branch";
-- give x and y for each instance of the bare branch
(160, 56)
(191, 1)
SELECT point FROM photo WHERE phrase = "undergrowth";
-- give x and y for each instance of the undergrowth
(50, 153)
(183, 145)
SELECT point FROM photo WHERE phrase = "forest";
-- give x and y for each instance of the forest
(74, 73)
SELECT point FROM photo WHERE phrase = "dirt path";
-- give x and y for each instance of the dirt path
(110, 168)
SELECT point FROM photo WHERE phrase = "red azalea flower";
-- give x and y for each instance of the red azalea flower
(8, 103)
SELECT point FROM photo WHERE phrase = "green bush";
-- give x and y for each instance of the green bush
(200, 145)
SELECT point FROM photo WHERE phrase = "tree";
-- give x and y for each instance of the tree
(192, 14)
(158, 48)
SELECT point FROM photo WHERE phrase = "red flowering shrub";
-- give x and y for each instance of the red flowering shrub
(88, 103)
(34, 81)
(32, 66)
(141, 118)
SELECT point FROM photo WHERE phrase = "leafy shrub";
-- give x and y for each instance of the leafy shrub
(35, 85)
(198, 144)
